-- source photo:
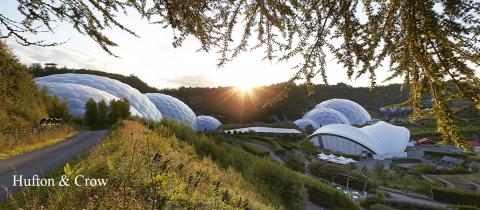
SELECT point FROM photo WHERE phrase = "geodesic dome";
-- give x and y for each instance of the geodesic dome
(116, 88)
(302, 123)
(355, 113)
(207, 123)
(77, 95)
(173, 109)
(326, 116)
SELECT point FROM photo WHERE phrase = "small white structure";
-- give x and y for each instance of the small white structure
(265, 130)
(378, 141)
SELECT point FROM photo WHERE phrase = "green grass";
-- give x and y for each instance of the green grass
(254, 149)
(145, 171)
(40, 142)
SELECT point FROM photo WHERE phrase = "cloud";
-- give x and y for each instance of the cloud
(192, 81)
(61, 55)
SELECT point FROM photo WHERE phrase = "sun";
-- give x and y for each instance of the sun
(244, 88)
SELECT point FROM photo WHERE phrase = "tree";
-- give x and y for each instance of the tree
(21, 103)
(119, 109)
(102, 115)
(55, 107)
(309, 129)
(91, 113)
(429, 43)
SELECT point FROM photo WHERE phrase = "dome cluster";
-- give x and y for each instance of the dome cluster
(137, 100)
(207, 123)
(174, 109)
(334, 111)
(77, 89)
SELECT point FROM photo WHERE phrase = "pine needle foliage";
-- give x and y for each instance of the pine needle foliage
(432, 44)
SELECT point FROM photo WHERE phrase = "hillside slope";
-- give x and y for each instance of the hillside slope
(145, 170)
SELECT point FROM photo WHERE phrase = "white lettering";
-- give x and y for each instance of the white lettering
(19, 181)
(77, 179)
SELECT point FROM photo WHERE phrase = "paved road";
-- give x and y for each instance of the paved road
(42, 161)
(395, 196)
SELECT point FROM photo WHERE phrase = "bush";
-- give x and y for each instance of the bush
(441, 154)
(326, 196)
(328, 171)
(455, 196)
(411, 205)
(428, 169)
(295, 163)
(406, 160)
(369, 201)
(254, 149)
(381, 207)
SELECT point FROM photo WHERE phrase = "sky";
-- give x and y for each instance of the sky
(154, 60)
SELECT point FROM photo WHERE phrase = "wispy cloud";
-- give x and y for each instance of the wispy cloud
(191, 81)
(61, 55)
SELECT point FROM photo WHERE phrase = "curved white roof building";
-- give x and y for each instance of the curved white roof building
(174, 109)
(379, 141)
(116, 88)
(207, 123)
(325, 116)
(302, 123)
(355, 113)
(77, 95)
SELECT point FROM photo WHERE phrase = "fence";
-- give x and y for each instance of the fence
(19, 136)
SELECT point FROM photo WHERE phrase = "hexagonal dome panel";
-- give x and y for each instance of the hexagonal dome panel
(137, 100)
(326, 116)
(173, 109)
(302, 123)
(207, 123)
(77, 95)
(355, 113)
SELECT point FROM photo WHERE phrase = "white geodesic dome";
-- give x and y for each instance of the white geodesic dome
(326, 116)
(355, 113)
(174, 109)
(303, 123)
(77, 96)
(116, 88)
(207, 123)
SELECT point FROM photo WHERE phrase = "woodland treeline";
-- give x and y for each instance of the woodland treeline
(234, 106)
(22, 103)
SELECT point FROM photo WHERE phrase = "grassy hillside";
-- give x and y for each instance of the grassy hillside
(146, 170)
(275, 181)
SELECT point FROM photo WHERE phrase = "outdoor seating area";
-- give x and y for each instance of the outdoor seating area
(335, 159)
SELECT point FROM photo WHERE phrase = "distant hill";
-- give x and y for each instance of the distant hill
(233, 106)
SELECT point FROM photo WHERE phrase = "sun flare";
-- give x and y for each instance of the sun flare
(243, 87)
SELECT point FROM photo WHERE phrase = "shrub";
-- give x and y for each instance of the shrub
(441, 154)
(326, 196)
(380, 207)
(411, 205)
(369, 201)
(295, 163)
(455, 196)
(254, 149)
(329, 171)
(406, 160)
(428, 169)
